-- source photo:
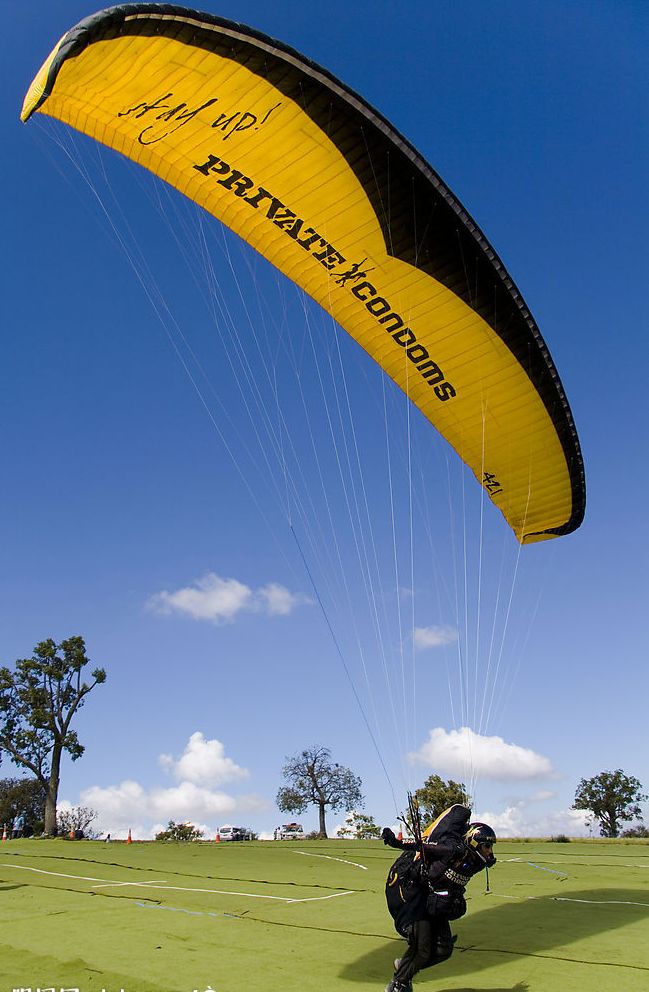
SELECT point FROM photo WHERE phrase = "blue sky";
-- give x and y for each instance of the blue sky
(144, 509)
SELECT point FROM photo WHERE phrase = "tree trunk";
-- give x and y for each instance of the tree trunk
(323, 828)
(52, 793)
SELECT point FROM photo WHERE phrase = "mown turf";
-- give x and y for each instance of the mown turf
(265, 917)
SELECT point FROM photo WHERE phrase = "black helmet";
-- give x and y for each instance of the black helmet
(478, 834)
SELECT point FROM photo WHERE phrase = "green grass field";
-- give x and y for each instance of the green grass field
(282, 917)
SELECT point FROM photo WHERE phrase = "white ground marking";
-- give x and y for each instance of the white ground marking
(108, 885)
(332, 895)
(329, 857)
(601, 902)
(532, 865)
(590, 902)
(579, 864)
(57, 874)
(175, 888)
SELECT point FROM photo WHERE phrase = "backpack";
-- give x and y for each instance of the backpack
(407, 889)
(450, 825)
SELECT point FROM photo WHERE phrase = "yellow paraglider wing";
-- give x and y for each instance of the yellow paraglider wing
(323, 186)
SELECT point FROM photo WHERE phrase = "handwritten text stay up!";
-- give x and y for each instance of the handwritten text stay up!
(164, 116)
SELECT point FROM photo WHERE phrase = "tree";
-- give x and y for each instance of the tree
(37, 703)
(180, 831)
(359, 827)
(436, 795)
(22, 795)
(613, 798)
(313, 780)
(77, 820)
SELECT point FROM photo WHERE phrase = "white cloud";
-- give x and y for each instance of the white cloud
(278, 601)
(128, 806)
(517, 821)
(434, 637)
(460, 752)
(203, 762)
(220, 600)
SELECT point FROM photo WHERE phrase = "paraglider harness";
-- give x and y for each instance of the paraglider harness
(429, 878)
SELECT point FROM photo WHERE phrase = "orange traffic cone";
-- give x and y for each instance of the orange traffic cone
(400, 835)
(129, 839)
(4, 833)
(71, 834)
(217, 839)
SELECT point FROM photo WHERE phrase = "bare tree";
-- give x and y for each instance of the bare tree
(314, 780)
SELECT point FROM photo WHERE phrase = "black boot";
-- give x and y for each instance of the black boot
(396, 986)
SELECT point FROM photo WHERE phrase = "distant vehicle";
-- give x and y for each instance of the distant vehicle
(235, 833)
(289, 831)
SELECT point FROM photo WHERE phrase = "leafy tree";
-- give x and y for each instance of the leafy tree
(314, 780)
(37, 703)
(22, 795)
(359, 827)
(76, 820)
(436, 795)
(180, 831)
(613, 798)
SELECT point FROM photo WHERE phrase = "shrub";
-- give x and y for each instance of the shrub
(638, 831)
(560, 839)
(77, 820)
(358, 826)
(180, 832)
